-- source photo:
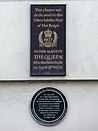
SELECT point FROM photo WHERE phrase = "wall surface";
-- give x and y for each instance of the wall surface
(81, 40)
(82, 63)
(82, 100)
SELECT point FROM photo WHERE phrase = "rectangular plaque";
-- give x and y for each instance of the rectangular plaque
(48, 40)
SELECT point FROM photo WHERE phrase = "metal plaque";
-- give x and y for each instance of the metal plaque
(48, 106)
(48, 40)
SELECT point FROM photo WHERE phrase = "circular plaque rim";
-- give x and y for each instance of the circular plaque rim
(45, 122)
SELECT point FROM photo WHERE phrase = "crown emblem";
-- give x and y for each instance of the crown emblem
(48, 38)
(48, 33)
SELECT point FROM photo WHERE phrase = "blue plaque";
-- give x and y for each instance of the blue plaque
(48, 40)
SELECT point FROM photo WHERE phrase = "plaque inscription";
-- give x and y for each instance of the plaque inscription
(48, 106)
(48, 38)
